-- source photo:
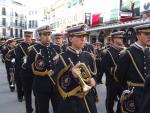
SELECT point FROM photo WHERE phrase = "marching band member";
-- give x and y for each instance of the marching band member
(76, 92)
(133, 67)
(41, 61)
(108, 66)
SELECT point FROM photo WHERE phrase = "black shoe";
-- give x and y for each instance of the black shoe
(12, 88)
(101, 82)
(20, 99)
(36, 111)
(30, 111)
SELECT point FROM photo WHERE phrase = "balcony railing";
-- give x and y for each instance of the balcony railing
(22, 25)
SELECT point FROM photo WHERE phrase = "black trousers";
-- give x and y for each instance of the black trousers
(113, 92)
(27, 81)
(8, 66)
(144, 108)
(20, 92)
(139, 98)
(45, 91)
(78, 105)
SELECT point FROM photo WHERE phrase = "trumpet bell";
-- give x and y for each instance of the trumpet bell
(86, 88)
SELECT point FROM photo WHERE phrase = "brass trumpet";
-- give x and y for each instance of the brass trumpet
(68, 85)
(85, 74)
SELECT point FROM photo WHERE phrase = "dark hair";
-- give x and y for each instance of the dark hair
(69, 36)
(40, 34)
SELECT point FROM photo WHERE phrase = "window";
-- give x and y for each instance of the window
(21, 24)
(4, 31)
(16, 22)
(16, 14)
(21, 33)
(36, 23)
(11, 32)
(16, 32)
(30, 24)
(88, 18)
(3, 11)
(4, 21)
(25, 25)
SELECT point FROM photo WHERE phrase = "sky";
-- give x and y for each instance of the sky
(44, 3)
(36, 3)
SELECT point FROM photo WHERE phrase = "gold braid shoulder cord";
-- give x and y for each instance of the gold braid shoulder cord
(114, 64)
(23, 51)
(135, 66)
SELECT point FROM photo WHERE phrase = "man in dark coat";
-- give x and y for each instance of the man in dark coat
(133, 66)
(41, 60)
(108, 66)
(74, 100)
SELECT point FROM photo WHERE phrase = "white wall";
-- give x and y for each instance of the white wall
(104, 7)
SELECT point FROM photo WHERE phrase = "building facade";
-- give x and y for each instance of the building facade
(12, 19)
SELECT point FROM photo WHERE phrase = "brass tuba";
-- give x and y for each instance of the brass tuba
(68, 85)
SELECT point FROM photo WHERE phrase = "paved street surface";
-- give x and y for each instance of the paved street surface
(9, 103)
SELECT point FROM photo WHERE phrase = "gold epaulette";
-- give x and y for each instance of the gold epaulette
(4, 47)
(93, 56)
(30, 48)
(57, 56)
(123, 51)
(102, 49)
(105, 50)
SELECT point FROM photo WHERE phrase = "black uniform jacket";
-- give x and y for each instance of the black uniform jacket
(75, 104)
(108, 65)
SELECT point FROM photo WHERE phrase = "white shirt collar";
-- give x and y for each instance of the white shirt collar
(76, 51)
(139, 46)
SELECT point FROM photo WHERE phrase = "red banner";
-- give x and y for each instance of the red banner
(95, 20)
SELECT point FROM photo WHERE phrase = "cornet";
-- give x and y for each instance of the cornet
(83, 77)
(68, 85)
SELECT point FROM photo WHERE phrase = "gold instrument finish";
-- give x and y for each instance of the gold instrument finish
(83, 78)
(68, 85)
